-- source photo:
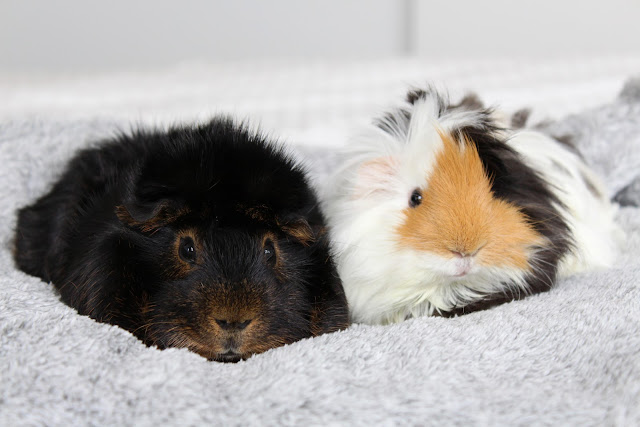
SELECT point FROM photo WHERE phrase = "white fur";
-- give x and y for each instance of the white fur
(590, 218)
(387, 283)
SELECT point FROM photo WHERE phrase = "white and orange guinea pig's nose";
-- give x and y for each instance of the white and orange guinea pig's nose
(457, 264)
(463, 266)
(464, 261)
(467, 251)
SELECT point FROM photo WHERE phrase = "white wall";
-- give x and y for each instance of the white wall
(526, 27)
(71, 34)
(74, 35)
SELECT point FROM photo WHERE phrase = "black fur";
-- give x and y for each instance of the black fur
(109, 235)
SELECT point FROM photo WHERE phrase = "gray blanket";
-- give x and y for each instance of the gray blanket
(567, 357)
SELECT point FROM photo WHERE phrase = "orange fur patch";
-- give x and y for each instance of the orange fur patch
(458, 213)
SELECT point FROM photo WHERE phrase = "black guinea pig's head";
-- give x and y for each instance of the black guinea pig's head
(230, 247)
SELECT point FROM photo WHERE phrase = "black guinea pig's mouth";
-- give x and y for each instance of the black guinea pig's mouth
(228, 357)
(195, 345)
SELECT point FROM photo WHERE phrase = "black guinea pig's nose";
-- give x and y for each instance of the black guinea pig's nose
(230, 325)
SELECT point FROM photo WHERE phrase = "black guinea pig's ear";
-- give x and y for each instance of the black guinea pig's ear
(149, 216)
(300, 229)
(151, 201)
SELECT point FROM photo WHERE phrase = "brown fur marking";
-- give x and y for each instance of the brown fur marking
(160, 218)
(301, 231)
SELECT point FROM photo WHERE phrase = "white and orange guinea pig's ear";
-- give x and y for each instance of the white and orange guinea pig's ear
(376, 177)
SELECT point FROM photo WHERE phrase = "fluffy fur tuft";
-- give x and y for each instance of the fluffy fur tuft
(438, 209)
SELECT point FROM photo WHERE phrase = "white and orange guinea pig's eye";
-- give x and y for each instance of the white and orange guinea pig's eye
(416, 198)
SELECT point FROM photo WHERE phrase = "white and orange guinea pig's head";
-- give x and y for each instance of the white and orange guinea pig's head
(432, 213)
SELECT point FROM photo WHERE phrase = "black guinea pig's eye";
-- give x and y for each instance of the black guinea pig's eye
(187, 249)
(416, 198)
(269, 252)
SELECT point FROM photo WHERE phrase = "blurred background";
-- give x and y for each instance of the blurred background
(73, 35)
(290, 64)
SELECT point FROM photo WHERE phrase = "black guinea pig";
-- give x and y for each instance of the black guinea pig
(206, 237)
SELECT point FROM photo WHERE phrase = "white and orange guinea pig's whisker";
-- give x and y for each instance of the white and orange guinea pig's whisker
(438, 210)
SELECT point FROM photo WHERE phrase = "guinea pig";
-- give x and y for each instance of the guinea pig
(439, 209)
(207, 237)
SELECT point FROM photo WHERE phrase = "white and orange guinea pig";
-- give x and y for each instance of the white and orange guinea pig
(439, 209)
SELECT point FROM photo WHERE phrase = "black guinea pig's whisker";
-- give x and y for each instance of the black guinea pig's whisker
(213, 185)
